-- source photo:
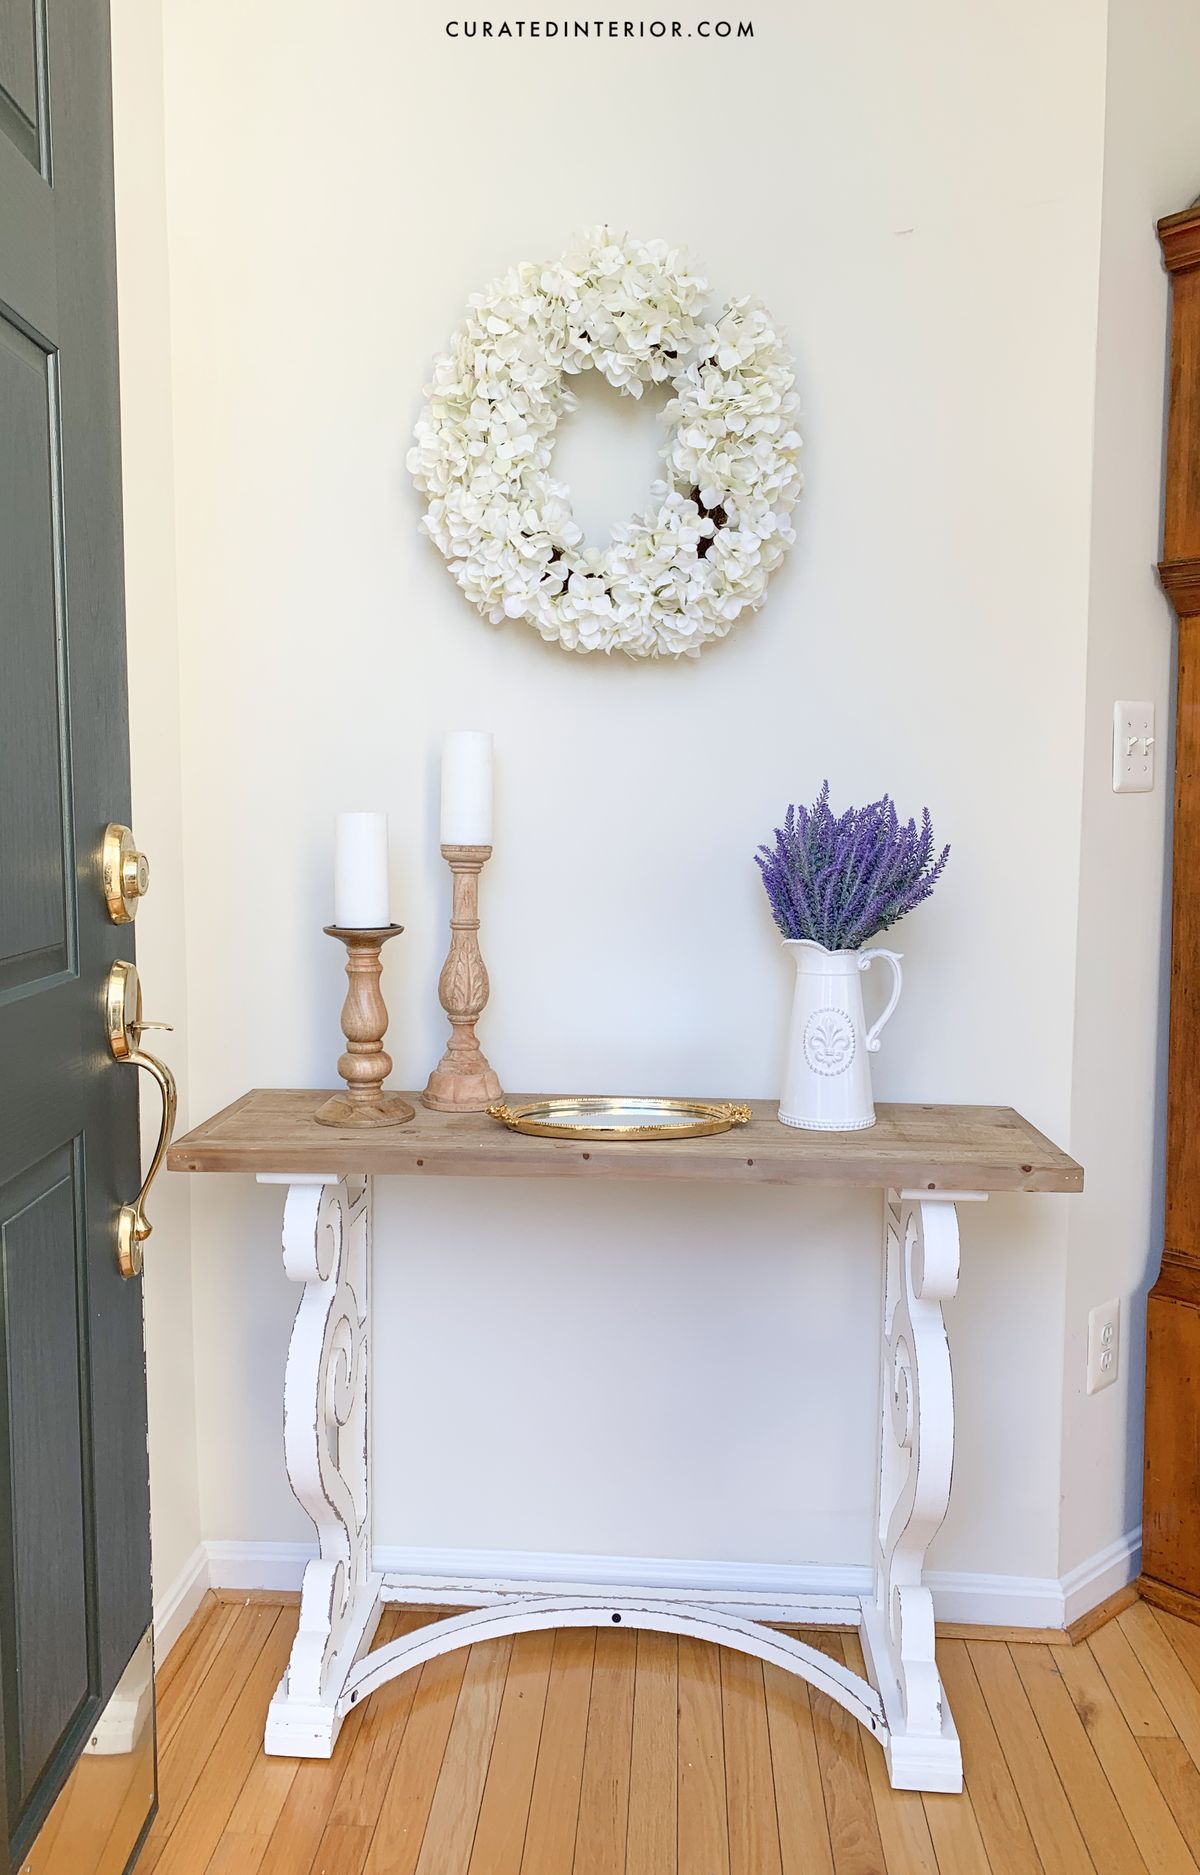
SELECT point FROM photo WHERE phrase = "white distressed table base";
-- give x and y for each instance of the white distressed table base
(332, 1666)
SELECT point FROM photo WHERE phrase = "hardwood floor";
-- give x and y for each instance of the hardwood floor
(602, 1753)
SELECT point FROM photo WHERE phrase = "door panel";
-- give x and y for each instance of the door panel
(22, 90)
(18, 74)
(74, 1499)
(44, 1286)
(99, 1816)
(33, 922)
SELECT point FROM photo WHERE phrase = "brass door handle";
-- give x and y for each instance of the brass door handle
(123, 1019)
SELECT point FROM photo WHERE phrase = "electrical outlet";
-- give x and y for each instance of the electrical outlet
(1103, 1345)
(1133, 748)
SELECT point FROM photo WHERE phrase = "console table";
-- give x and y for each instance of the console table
(927, 1160)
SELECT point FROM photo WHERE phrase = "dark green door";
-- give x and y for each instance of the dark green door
(74, 1513)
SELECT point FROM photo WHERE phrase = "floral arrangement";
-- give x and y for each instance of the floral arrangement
(673, 578)
(838, 879)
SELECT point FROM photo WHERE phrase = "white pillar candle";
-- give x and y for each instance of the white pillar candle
(467, 788)
(360, 872)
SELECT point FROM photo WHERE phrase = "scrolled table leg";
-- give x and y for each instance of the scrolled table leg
(326, 1247)
(916, 1451)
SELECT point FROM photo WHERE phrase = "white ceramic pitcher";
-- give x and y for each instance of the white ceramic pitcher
(827, 1079)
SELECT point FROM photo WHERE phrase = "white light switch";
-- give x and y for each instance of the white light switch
(1133, 748)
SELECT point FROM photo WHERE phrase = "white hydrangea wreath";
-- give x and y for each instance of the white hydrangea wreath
(674, 578)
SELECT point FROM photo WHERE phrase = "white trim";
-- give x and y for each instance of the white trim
(667, 1572)
(174, 1608)
(258, 1565)
(958, 1595)
(1094, 1580)
(996, 1601)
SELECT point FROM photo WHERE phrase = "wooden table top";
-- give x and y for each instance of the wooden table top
(910, 1146)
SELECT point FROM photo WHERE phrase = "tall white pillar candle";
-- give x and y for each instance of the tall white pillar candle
(467, 788)
(360, 872)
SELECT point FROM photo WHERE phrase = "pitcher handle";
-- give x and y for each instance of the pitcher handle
(865, 960)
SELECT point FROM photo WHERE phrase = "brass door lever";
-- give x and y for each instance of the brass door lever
(123, 1019)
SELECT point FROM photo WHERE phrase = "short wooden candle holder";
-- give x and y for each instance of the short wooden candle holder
(365, 1065)
(464, 1080)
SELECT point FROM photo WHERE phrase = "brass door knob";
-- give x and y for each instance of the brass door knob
(123, 1019)
(125, 872)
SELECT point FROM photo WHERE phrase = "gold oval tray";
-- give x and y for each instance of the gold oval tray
(596, 1116)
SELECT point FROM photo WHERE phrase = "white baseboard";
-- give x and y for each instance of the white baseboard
(994, 1601)
(983, 1600)
(178, 1602)
(1093, 1581)
(257, 1565)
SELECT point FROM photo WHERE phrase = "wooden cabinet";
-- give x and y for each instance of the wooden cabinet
(1171, 1507)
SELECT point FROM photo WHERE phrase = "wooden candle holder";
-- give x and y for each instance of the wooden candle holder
(365, 1065)
(463, 1081)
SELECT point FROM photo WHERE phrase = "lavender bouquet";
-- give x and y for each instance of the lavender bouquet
(838, 879)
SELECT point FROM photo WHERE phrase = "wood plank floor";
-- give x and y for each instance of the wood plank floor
(581, 1753)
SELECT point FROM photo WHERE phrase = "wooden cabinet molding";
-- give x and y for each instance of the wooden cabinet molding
(1171, 1503)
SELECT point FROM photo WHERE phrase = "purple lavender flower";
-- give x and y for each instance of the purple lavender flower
(840, 879)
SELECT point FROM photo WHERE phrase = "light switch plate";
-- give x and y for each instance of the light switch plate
(1133, 748)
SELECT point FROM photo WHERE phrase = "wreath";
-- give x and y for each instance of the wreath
(674, 577)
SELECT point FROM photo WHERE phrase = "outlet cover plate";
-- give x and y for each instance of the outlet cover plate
(1103, 1345)
(1133, 748)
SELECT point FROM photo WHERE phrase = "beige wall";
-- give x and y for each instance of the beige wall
(1152, 168)
(951, 212)
(916, 194)
(153, 642)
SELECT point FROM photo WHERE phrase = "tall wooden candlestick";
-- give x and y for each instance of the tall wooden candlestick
(365, 1065)
(463, 1081)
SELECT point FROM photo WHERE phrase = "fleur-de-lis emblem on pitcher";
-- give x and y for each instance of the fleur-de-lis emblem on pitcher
(829, 1041)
